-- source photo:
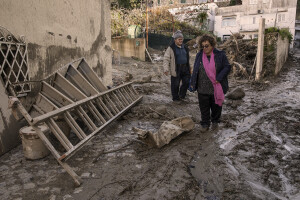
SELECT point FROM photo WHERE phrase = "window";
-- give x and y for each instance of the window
(255, 36)
(253, 1)
(158, 2)
(254, 20)
(170, 2)
(230, 21)
(281, 18)
(182, 1)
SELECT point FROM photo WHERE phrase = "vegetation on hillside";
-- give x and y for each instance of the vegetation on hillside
(159, 20)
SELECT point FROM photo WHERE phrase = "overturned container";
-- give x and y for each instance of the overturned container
(33, 147)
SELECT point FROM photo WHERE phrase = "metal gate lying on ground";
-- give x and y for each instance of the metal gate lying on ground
(83, 102)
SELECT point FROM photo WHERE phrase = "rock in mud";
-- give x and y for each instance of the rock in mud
(236, 94)
(161, 109)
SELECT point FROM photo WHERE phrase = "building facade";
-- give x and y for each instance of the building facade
(56, 33)
(245, 18)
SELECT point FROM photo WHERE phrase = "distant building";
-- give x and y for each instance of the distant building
(245, 18)
(189, 14)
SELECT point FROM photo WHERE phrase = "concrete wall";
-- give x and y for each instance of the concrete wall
(128, 47)
(282, 53)
(56, 32)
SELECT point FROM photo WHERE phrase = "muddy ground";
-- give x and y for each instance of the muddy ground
(253, 155)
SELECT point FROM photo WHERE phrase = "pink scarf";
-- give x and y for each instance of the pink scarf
(210, 70)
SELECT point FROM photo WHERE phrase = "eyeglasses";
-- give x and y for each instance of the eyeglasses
(206, 46)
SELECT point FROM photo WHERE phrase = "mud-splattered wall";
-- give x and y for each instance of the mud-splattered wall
(56, 32)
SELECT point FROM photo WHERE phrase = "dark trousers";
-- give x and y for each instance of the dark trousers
(183, 75)
(210, 112)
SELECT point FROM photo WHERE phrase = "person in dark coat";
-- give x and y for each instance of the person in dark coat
(177, 64)
(209, 79)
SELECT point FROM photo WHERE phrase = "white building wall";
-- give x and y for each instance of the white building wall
(279, 13)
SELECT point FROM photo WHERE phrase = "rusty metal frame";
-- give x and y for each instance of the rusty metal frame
(78, 95)
(14, 69)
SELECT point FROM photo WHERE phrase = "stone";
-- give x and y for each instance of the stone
(29, 186)
(161, 109)
(85, 175)
(237, 94)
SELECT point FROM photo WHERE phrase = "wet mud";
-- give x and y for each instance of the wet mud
(253, 155)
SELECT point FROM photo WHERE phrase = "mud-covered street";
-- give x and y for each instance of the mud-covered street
(253, 155)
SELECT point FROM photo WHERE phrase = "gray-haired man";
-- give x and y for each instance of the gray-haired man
(176, 62)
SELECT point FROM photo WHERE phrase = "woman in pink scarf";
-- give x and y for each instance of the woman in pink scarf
(209, 78)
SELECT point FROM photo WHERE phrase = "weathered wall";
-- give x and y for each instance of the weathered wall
(128, 47)
(282, 53)
(56, 32)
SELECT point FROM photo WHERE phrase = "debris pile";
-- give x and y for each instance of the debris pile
(241, 55)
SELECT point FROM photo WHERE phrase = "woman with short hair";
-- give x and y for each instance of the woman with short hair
(209, 79)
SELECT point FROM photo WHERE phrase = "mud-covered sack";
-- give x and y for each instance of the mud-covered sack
(167, 131)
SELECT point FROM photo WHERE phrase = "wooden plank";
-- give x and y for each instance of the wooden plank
(75, 127)
(57, 135)
(91, 76)
(53, 93)
(104, 109)
(110, 104)
(93, 107)
(81, 115)
(65, 85)
(87, 117)
(71, 172)
(123, 97)
(46, 142)
(80, 82)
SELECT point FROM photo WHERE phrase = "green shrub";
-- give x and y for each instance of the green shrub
(284, 33)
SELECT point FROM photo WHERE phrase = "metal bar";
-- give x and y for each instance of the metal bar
(78, 146)
(71, 106)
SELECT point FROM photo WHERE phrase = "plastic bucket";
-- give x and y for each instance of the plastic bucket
(33, 147)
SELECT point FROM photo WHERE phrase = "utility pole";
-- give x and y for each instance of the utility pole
(260, 48)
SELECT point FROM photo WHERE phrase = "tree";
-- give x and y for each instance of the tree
(129, 4)
(235, 2)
